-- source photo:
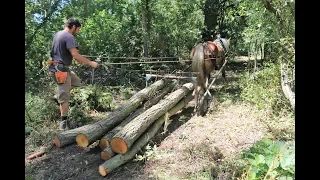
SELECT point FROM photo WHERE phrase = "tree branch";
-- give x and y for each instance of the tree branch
(45, 19)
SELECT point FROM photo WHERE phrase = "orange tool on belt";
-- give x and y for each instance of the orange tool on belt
(61, 77)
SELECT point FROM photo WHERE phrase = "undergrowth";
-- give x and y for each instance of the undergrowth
(42, 113)
(264, 89)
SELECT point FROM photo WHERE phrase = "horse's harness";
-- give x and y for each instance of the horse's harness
(213, 57)
(218, 42)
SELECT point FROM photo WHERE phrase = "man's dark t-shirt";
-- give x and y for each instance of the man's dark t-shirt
(62, 41)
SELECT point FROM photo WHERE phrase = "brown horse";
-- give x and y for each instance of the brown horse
(206, 57)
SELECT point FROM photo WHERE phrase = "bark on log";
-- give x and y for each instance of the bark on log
(123, 140)
(97, 130)
(105, 140)
(113, 119)
(120, 159)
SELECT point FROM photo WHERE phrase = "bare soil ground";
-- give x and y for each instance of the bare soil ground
(191, 144)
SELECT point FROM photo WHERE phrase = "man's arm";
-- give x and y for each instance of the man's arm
(75, 54)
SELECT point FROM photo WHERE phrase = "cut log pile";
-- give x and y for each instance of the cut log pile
(130, 127)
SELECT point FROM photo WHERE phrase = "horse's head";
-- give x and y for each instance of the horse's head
(226, 43)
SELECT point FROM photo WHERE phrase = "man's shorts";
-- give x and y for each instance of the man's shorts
(63, 94)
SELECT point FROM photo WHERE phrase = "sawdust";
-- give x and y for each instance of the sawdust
(202, 141)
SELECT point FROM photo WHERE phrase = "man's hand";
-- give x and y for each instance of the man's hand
(94, 64)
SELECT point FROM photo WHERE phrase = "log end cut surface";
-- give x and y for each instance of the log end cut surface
(103, 143)
(118, 145)
(105, 155)
(102, 171)
(82, 140)
(56, 141)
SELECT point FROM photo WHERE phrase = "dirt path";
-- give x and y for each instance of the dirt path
(190, 145)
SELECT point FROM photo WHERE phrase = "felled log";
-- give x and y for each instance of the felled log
(107, 153)
(120, 159)
(68, 137)
(113, 119)
(123, 140)
(104, 141)
(98, 129)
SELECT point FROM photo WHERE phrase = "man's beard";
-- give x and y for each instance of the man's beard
(74, 32)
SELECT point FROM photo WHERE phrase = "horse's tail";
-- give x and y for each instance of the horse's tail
(198, 63)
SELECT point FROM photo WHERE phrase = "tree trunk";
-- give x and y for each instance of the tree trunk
(104, 141)
(113, 119)
(262, 53)
(285, 86)
(123, 140)
(85, 13)
(145, 34)
(255, 55)
(120, 159)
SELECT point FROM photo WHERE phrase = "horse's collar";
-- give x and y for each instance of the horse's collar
(219, 42)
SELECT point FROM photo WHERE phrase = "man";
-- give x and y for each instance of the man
(64, 49)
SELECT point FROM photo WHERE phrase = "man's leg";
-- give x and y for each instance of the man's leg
(64, 109)
(75, 82)
(63, 97)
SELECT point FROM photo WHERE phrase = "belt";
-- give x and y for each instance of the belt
(56, 62)
(59, 66)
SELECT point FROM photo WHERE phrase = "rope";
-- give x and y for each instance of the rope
(108, 57)
(150, 62)
(146, 62)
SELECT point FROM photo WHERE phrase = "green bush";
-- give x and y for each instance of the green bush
(264, 89)
(92, 97)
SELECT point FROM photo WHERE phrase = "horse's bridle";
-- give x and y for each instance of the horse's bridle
(225, 52)
(224, 48)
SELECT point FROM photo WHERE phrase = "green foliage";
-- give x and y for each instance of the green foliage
(264, 89)
(38, 110)
(270, 159)
(40, 118)
(92, 97)
(126, 93)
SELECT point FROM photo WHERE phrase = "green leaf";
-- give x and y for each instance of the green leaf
(287, 160)
(258, 159)
(271, 161)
